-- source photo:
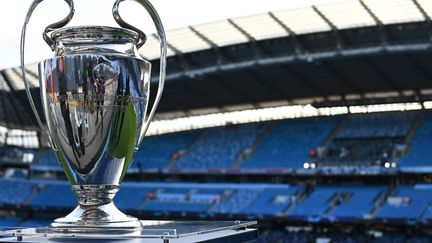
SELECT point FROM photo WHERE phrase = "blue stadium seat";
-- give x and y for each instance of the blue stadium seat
(338, 201)
(360, 203)
(36, 223)
(179, 207)
(218, 148)
(46, 161)
(428, 213)
(17, 155)
(378, 125)
(177, 200)
(419, 158)
(408, 203)
(157, 152)
(14, 191)
(273, 201)
(316, 204)
(9, 222)
(60, 195)
(287, 145)
(239, 201)
(131, 197)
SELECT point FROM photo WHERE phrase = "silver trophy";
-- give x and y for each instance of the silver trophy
(95, 92)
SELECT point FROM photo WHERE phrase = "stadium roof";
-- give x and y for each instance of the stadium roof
(327, 54)
(321, 18)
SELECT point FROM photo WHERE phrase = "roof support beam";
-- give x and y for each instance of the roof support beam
(331, 25)
(292, 35)
(241, 30)
(286, 68)
(34, 75)
(260, 50)
(178, 53)
(225, 56)
(298, 49)
(220, 54)
(422, 11)
(214, 46)
(204, 38)
(289, 58)
(378, 22)
(425, 15)
(188, 63)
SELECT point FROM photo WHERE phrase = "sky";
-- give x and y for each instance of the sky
(174, 14)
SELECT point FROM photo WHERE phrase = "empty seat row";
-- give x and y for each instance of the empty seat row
(256, 200)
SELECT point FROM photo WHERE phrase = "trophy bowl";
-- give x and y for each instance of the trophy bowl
(94, 94)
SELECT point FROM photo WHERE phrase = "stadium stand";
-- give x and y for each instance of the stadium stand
(16, 155)
(287, 144)
(35, 223)
(338, 202)
(427, 215)
(59, 194)
(377, 125)
(356, 202)
(131, 196)
(283, 146)
(369, 140)
(363, 152)
(219, 148)
(273, 201)
(9, 222)
(157, 152)
(237, 202)
(46, 161)
(407, 203)
(255, 200)
(9, 189)
(418, 157)
(348, 55)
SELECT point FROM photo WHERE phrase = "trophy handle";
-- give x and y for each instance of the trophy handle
(163, 51)
(50, 42)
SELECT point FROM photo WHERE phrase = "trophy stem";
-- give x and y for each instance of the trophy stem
(95, 195)
(96, 213)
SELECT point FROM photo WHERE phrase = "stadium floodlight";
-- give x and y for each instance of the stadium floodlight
(95, 93)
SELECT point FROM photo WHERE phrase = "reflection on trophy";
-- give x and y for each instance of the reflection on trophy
(95, 92)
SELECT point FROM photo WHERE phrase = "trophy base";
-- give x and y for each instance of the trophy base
(106, 219)
(152, 232)
(96, 214)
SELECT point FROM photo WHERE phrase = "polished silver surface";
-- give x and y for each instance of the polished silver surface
(96, 214)
(51, 43)
(95, 107)
(94, 94)
(163, 48)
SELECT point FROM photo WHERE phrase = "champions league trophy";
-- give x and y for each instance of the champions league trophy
(95, 92)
